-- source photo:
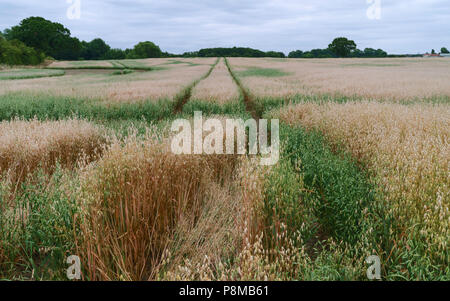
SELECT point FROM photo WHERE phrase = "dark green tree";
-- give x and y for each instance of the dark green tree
(145, 50)
(16, 52)
(358, 53)
(67, 49)
(115, 54)
(295, 54)
(191, 54)
(275, 54)
(370, 52)
(381, 53)
(433, 51)
(322, 53)
(45, 36)
(444, 50)
(95, 49)
(342, 47)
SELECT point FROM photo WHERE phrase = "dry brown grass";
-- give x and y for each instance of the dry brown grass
(386, 79)
(138, 195)
(218, 87)
(406, 148)
(228, 220)
(230, 227)
(28, 145)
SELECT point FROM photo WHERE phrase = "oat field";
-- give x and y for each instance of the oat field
(86, 169)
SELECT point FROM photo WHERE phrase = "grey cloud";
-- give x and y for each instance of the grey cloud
(406, 26)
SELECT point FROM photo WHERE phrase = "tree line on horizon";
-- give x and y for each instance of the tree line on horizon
(444, 50)
(35, 39)
(340, 47)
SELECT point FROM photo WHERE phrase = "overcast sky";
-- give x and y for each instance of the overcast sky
(403, 26)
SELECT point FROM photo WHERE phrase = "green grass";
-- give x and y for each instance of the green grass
(212, 108)
(326, 198)
(85, 64)
(56, 108)
(25, 106)
(132, 64)
(340, 189)
(280, 60)
(29, 73)
(265, 104)
(36, 247)
(123, 128)
(85, 68)
(115, 65)
(371, 65)
(122, 72)
(262, 72)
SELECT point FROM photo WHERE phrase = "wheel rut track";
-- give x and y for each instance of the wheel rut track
(249, 102)
(186, 94)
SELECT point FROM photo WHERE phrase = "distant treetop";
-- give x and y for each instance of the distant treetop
(340, 47)
(235, 52)
(47, 37)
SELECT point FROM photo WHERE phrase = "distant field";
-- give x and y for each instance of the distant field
(90, 80)
(382, 79)
(120, 64)
(86, 169)
(15, 74)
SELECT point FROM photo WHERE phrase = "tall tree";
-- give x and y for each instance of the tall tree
(295, 54)
(115, 54)
(370, 52)
(444, 50)
(95, 49)
(342, 47)
(15, 52)
(275, 54)
(45, 36)
(146, 50)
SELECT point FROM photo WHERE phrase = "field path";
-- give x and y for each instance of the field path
(183, 97)
(219, 88)
(247, 97)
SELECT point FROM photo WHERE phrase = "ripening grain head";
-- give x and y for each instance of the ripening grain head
(406, 148)
(218, 87)
(28, 145)
(158, 84)
(381, 79)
